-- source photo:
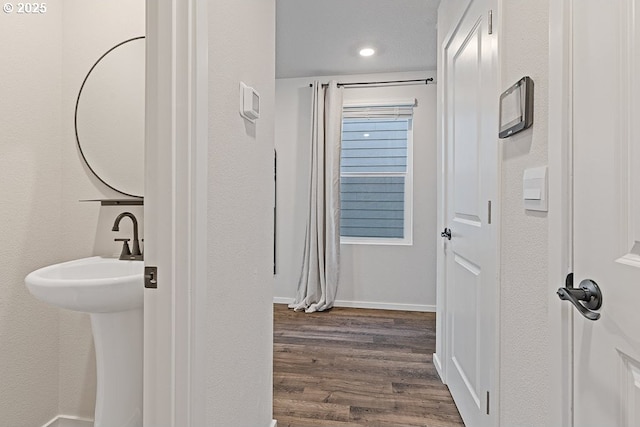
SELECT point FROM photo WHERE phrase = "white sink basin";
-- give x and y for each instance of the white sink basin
(112, 292)
(92, 285)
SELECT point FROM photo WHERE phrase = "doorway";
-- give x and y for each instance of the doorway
(399, 277)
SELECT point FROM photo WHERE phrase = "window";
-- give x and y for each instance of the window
(375, 186)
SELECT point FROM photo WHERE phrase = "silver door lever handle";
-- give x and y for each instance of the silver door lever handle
(585, 298)
(446, 233)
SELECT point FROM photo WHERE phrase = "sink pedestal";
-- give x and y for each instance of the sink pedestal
(112, 292)
(118, 339)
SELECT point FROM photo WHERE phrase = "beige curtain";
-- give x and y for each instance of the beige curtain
(318, 281)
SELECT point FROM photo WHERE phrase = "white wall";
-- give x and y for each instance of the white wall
(30, 212)
(240, 218)
(370, 275)
(524, 336)
(47, 361)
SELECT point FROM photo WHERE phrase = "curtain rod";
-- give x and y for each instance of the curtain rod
(426, 81)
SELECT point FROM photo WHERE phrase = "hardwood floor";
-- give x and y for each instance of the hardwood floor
(358, 367)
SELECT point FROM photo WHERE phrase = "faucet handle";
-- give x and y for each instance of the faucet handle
(126, 252)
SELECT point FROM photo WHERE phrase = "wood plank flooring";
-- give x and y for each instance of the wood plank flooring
(358, 367)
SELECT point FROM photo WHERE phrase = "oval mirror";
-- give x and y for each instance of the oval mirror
(109, 117)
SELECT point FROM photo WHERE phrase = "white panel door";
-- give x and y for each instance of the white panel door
(606, 49)
(471, 169)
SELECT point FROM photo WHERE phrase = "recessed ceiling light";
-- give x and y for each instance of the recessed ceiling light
(366, 135)
(367, 51)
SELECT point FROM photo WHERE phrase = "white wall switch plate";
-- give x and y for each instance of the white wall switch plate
(535, 189)
(249, 103)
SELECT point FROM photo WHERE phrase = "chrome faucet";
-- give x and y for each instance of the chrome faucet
(129, 254)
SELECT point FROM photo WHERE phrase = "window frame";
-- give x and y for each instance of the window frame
(407, 240)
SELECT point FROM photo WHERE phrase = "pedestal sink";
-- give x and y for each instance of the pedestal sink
(112, 292)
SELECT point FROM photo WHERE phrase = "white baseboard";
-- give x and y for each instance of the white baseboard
(438, 365)
(69, 421)
(386, 306)
(281, 300)
(367, 304)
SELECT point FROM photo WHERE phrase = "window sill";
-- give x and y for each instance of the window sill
(375, 241)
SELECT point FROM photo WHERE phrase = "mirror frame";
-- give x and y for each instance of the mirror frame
(75, 117)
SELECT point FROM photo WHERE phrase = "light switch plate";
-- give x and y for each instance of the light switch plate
(249, 103)
(535, 189)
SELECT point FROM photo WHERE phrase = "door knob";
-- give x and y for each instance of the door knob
(586, 297)
(446, 233)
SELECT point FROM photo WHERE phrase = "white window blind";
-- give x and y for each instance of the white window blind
(376, 174)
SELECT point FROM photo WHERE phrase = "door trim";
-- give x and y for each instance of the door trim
(175, 212)
(560, 211)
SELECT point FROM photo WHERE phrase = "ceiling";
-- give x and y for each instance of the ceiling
(323, 37)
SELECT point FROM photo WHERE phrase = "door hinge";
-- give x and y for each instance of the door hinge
(489, 212)
(491, 22)
(487, 403)
(151, 277)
